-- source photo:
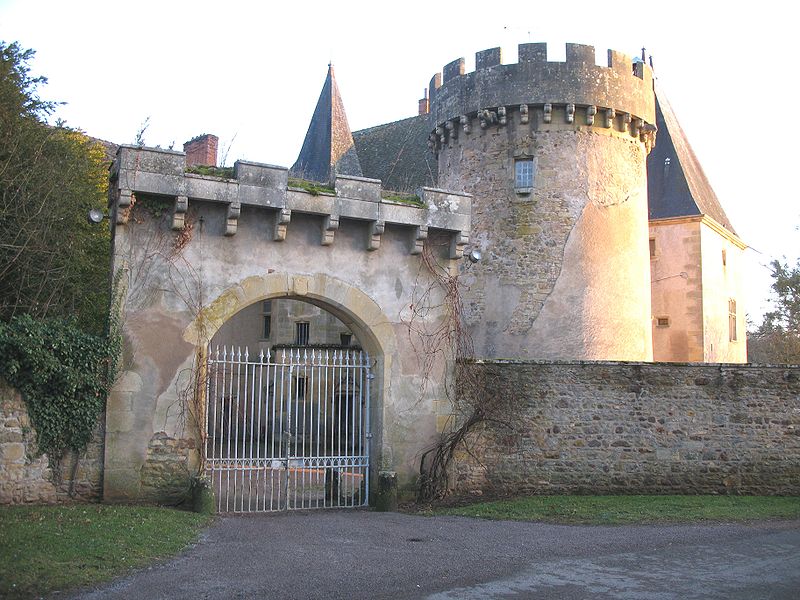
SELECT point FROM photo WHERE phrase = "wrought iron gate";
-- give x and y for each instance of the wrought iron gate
(288, 430)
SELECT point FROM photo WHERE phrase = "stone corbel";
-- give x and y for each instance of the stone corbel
(418, 239)
(626, 121)
(636, 127)
(591, 111)
(452, 131)
(124, 202)
(487, 117)
(523, 114)
(611, 114)
(329, 227)
(281, 222)
(648, 136)
(458, 242)
(464, 120)
(375, 232)
(570, 113)
(179, 212)
(501, 115)
(548, 113)
(232, 218)
(440, 134)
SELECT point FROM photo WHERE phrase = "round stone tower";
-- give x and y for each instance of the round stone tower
(555, 156)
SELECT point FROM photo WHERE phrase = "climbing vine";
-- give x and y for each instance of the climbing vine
(471, 401)
(64, 375)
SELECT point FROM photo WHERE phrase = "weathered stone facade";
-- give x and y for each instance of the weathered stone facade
(26, 477)
(582, 427)
(567, 251)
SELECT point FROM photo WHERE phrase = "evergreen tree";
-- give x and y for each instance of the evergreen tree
(52, 261)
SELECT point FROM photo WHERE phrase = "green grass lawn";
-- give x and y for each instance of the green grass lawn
(48, 548)
(616, 510)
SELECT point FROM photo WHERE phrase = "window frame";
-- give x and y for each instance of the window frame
(299, 328)
(523, 182)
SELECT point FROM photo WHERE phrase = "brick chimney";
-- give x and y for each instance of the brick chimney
(424, 104)
(201, 150)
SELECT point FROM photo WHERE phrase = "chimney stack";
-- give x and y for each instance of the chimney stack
(424, 104)
(201, 150)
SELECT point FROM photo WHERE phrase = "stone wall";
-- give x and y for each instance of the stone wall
(605, 427)
(26, 477)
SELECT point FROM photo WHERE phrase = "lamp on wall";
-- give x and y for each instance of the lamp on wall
(473, 256)
(682, 275)
(96, 216)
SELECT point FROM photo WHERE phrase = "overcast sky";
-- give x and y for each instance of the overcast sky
(252, 75)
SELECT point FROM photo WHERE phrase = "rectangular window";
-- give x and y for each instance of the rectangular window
(652, 247)
(345, 338)
(301, 331)
(523, 174)
(724, 258)
(662, 322)
(266, 318)
(732, 320)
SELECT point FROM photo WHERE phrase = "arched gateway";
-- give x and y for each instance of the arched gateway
(192, 251)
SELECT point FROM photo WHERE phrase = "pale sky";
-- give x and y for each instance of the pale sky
(251, 74)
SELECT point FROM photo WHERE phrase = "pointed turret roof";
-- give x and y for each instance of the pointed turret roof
(676, 183)
(328, 148)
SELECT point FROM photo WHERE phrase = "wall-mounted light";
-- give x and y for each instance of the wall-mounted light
(682, 275)
(96, 216)
(473, 256)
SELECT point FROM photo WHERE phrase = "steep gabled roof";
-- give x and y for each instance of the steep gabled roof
(397, 153)
(676, 183)
(328, 147)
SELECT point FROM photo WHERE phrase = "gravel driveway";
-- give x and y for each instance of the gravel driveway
(359, 554)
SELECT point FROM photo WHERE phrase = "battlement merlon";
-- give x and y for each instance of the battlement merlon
(535, 80)
(157, 172)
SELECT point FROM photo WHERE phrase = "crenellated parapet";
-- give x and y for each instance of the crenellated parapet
(537, 92)
(162, 173)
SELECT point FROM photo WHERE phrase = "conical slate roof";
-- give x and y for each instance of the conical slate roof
(676, 183)
(328, 148)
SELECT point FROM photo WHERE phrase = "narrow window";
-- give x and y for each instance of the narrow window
(345, 338)
(301, 388)
(301, 333)
(662, 322)
(724, 258)
(266, 318)
(732, 320)
(523, 174)
(652, 247)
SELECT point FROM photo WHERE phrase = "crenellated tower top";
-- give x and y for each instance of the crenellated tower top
(619, 95)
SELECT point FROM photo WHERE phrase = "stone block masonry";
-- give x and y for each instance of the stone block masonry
(610, 427)
(27, 478)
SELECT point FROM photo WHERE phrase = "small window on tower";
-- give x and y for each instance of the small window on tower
(662, 322)
(652, 247)
(724, 258)
(732, 320)
(523, 175)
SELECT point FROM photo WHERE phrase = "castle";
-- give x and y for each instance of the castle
(286, 331)
(602, 239)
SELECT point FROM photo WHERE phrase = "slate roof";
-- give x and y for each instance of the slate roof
(328, 147)
(676, 183)
(397, 153)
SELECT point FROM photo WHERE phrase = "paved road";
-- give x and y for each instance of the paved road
(359, 554)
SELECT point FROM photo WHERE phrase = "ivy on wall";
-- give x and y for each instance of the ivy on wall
(64, 375)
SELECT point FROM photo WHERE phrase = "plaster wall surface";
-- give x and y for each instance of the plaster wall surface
(723, 282)
(181, 286)
(565, 272)
(582, 427)
(675, 298)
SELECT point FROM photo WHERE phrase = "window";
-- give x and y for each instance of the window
(662, 321)
(652, 247)
(345, 338)
(266, 317)
(300, 386)
(724, 258)
(301, 331)
(732, 320)
(523, 174)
